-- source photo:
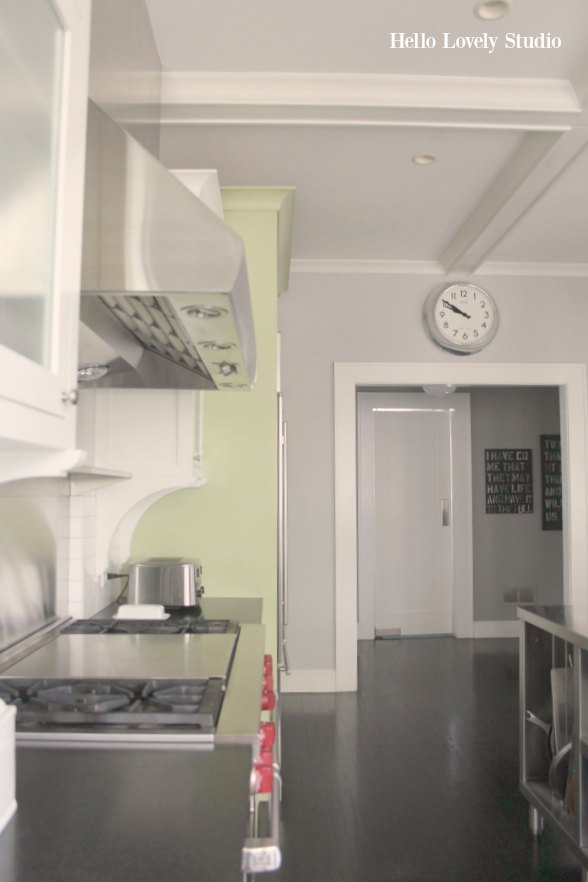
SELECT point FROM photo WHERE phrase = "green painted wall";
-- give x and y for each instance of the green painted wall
(231, 522)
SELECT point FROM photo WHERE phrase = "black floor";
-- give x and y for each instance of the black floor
(414, 778)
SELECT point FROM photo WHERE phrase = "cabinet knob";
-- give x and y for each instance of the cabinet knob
(70, 397)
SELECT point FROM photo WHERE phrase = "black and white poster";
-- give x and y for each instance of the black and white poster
(509, 480)
(551, 497)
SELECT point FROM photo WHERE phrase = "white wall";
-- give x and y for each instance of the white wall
(327, 318)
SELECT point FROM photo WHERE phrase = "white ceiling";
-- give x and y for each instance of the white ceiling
(311, 95)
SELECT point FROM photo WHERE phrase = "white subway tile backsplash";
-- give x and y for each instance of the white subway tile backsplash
(82, 506)
(77, 527)
(76, 592)
(77, 547)
(75, 609)
(80, 545)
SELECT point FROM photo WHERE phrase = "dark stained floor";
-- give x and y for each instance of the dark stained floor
(414, 778)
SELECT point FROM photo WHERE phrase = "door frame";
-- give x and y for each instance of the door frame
(462, 590)
(348, 376)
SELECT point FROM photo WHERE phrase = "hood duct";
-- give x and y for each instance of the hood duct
(165, 297)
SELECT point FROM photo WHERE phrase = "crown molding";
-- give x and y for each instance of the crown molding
(363, 267)
(430, 267)
(545, 270)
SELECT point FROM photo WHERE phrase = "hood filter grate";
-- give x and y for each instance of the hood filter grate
(153, 321)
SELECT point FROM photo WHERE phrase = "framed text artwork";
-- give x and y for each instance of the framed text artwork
(551, 482)
(509, 480)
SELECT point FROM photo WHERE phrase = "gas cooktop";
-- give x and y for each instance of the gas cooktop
(133, 687)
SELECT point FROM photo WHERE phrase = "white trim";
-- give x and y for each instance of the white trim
(362, 267)
(433, 267)
(571, 378)
(369, 90)
(545, 270)
(308, 681)
(497, 629)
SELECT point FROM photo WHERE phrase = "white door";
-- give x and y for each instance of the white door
(405, 484)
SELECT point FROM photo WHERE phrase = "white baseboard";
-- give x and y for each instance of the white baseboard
(497, 629)
(308, 681)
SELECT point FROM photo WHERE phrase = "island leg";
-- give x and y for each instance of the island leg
(536, 824)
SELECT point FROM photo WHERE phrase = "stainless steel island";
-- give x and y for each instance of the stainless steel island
(553, 721)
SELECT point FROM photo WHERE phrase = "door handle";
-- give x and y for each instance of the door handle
(445, 512)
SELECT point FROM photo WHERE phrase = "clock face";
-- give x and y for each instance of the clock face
(461, 317)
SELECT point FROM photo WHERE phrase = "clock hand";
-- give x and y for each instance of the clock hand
(453, 308)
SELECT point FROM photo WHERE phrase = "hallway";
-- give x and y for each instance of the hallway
(414, 778)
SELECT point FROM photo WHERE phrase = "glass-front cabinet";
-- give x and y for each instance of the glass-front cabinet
(44, 52)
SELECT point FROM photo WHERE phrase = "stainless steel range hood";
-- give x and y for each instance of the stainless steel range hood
(165, 297)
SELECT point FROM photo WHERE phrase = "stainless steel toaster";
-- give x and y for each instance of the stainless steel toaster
(171, 581)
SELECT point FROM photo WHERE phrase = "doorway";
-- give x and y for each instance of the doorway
(414, 475)
(350, 376)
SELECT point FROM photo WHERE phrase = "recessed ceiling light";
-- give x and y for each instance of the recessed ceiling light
(439, 389)
(423, 159)
(492, 9)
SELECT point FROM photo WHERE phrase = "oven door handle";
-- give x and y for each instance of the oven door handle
(263, 854)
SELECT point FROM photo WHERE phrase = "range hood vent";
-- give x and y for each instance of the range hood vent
(165, 296)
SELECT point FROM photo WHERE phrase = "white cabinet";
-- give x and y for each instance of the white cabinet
(145, 432)
(141, 444)
(44, 52)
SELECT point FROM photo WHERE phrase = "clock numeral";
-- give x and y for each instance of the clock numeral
(464, 336)
(483, 325)
(442, 314)
(476, 334)
(486, 315)
(445, 324)
(455, 333)
(483, 304)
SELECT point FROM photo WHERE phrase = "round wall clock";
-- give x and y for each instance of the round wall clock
(461, 317)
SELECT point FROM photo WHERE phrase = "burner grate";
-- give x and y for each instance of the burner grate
(183, 624)
(117, 704)
(84, 697)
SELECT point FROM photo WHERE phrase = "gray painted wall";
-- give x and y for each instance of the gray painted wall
(511, 551)
(125, 70)
(328, 317)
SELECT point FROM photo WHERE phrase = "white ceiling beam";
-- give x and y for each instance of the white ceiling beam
(532, 170)
(201, 98)
(369, 90)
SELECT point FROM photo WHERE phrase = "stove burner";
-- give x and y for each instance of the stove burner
(84, 697)
(177, 699)
(9, 695)
(209, 626)
(141, 627)
(183, 624)
(83, 627)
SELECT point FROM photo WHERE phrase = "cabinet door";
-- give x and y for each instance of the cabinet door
(44, 50)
